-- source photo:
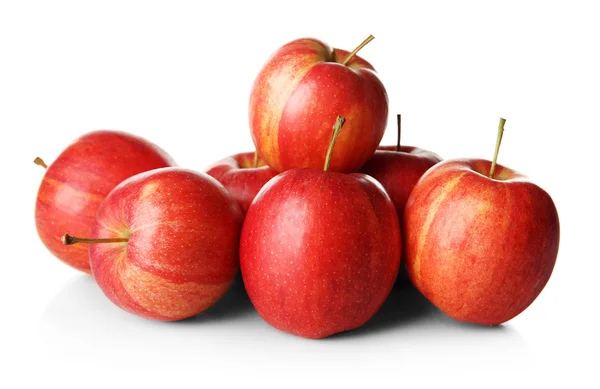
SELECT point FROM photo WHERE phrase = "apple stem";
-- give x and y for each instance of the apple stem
(498, 141)
(399, 119)
(339, 122)
(353, 53)
(255, 159)
(70, 240)
(40, 162)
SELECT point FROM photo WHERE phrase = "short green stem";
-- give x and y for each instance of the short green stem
(40, 162)
(353, 53)
(68, 240)
(339, 123)
(399, 121)
(498, 142)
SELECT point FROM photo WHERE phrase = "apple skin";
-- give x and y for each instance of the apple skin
(399, 171)
(319, 251)
(300, 91)
(479, 249)
(75, 184)
(182, 254)
(239, 176)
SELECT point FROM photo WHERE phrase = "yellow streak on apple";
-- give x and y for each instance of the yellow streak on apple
(432, 210)
(282, 84)
(71, 191)
(148, 190)
(164, 297)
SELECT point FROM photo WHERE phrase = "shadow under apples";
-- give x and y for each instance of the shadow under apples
(81, 311)
(82, 297)
(234, 304)
(81, 318)
(406, 306)
(403, 306)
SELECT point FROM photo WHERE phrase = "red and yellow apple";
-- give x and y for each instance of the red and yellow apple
(398, 172)
(300, 91)
(80, 178)
(242, 177)
(319, 251)
(164, 244)
(481, 249)
(398, 168)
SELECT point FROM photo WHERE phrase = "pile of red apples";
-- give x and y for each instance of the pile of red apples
(318, 219)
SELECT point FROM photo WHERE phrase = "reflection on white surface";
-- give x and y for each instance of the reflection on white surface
(81, 326)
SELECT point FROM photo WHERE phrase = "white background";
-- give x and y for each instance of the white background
(179, 74)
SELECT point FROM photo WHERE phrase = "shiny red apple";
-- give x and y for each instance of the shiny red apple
(164, 244)
(242, 177)
(80, 178)
(480, 242)
(319, 251)
(398, 168)
(300, 91)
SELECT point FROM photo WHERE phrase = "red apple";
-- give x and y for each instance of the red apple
(302, 88)
(481, 249)
(80, 178)
(319, 251)
(398, 168)
(242, 177)
(168, 244)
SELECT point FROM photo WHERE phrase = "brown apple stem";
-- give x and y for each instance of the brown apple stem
(339, 122)
(68, 240)
(498, 141)
(255, 159)
(399, 119)
(40, 162)
(353, 53)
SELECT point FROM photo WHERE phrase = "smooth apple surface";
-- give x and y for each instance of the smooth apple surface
(80, 178)
(479, 249)
(399, 171)
(183, 233)
(298, 94)
(319, 251)
(241, 178)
